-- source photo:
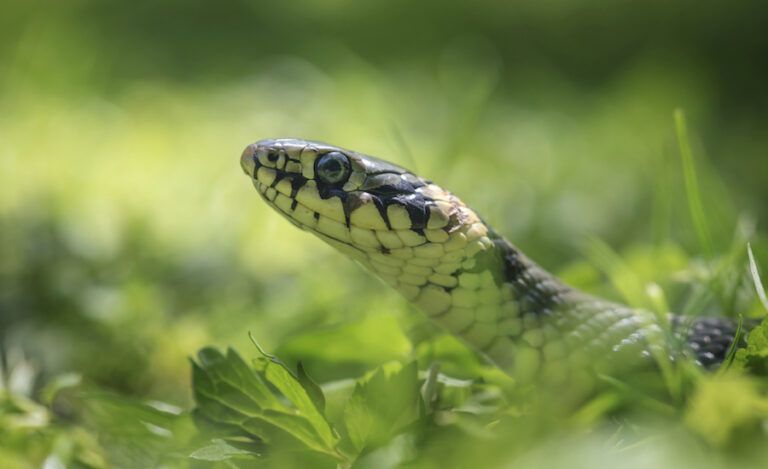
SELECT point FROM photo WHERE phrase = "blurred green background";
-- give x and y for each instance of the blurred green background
(129, 236)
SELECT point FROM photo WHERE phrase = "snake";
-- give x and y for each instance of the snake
(440, 255)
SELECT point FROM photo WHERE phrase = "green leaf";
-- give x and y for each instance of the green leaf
(268, 403)
(382, 405)
(754, 357)
(235, 380)
(136, 433)
(374, 340)
(723, 404)
(219, 450)
(279, 376)
(312, 388)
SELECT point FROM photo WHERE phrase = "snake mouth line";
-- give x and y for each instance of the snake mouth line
(385, 198)
(294, 204)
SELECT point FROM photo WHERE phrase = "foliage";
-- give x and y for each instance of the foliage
(277, 410)
(129, 240)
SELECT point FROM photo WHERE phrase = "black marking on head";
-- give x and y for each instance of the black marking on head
(279, 176)
(294, 203)
(349, 204)
(256, 165)
(385, 184)
(297, 182)
(317, 216)
(418, 212)
(327, 191)
(382, 208)
(389, 188)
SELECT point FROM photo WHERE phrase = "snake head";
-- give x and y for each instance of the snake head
(410, 232)
(337, 191)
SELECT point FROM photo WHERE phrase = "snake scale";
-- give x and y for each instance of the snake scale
(440, 255)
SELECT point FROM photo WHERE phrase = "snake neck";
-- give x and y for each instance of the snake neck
(488, 293)
(484, 290)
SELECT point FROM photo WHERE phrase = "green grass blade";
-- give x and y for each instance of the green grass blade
(756, 278)
(692, 190)
(731, 355)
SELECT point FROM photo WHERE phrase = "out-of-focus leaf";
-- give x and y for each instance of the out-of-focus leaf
(754, 357)
(137, 433)
(722, 405)
(374, 340)
(59, 383)
(219, 450)
(692, 190)
(430, 387)
(382, 405)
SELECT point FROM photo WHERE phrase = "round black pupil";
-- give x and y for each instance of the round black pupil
(331, 168)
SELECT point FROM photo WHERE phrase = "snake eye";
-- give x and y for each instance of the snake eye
(332, 168)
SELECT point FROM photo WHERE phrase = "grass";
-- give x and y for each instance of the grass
(692, 190)
(756, 278)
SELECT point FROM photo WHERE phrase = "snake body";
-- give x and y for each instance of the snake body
(440, 255)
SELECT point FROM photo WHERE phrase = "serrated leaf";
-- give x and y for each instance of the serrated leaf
(229, 392)
(289, 386)
(381, 406)
(235, 382)
(754, 357)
